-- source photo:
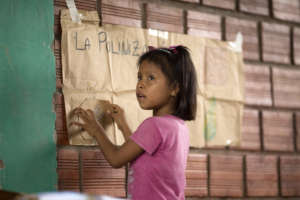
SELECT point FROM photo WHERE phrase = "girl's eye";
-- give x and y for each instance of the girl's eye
(151, 77)
(139, 78)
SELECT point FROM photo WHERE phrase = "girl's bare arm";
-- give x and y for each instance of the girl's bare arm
(116, 156)
(117, 113)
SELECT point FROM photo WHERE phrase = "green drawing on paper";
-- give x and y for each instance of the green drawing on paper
(210, 126)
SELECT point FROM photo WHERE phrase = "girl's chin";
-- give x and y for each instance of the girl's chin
(145, 107)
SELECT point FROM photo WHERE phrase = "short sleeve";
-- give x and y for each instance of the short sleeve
(147, 136)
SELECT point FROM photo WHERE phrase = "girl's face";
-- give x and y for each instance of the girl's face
(153, 90)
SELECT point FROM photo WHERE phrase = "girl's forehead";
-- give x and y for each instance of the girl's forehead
(149, 67)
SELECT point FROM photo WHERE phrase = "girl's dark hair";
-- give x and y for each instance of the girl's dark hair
(176, 64)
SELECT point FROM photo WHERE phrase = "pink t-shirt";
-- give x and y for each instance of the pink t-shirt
(159, 173)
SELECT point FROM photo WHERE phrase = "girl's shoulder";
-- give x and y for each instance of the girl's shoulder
(166, 117)
(163, 120)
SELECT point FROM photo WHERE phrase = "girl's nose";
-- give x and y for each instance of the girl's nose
(140, 84)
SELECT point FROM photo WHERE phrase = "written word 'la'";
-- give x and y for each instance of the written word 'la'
(85, 46)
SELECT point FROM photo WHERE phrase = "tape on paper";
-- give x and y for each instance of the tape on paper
(75, 16)
(237, 45)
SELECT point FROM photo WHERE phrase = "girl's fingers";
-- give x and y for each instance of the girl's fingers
(76, 124)
(110, 109)
(120, 110)
(114, 105)
(77, 110)
(81, 113)
(90, 113)
(116, 109)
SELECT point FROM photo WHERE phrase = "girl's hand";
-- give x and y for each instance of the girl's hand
(89, 123)
(117, 113)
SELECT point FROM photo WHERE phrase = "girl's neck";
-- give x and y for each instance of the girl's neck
(167, 109)
(158, 112)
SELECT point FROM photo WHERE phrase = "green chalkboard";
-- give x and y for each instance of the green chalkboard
(27, 83)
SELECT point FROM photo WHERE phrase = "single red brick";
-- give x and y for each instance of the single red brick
(57, 25)
(101, 172)
(276, 43)
(98, 177)
(58, 62)
(298, 130)
(60, 111)
(197, 161)
(196, 175)
(92, 155)
(286, 87)
(68, 185)
(80, 4)
(67, 154)
(257, 85)
(195, 188)
(260, 7)
(297, 45)
(65, 172)
(250, 130)
(58, 98)
(290, 175)
(124, 12)
(57, 9)
(86, 4)
(287, 10)
(164, 18)
(227, 4)
(249, 32)
(57, 48)
(59, 73)
(114, 191)
(62, 138)
(60, 122)
(226, 176)
(192, 1)
(60, 108)
(68, 169)
(204, 25)
(60, 125)
(261, 173)
(278, 131)
(59, 83)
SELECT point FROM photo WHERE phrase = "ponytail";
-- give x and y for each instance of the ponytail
(186, 102)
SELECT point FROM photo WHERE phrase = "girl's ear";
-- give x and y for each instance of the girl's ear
(175, 90)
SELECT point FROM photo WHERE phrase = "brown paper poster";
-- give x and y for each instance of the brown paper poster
(100, 66)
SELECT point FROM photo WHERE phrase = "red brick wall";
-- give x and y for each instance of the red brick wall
(267, 165)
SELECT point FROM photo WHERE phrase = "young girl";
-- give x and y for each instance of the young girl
(157, 151)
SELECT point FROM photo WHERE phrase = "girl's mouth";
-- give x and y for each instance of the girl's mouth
(140, 96)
